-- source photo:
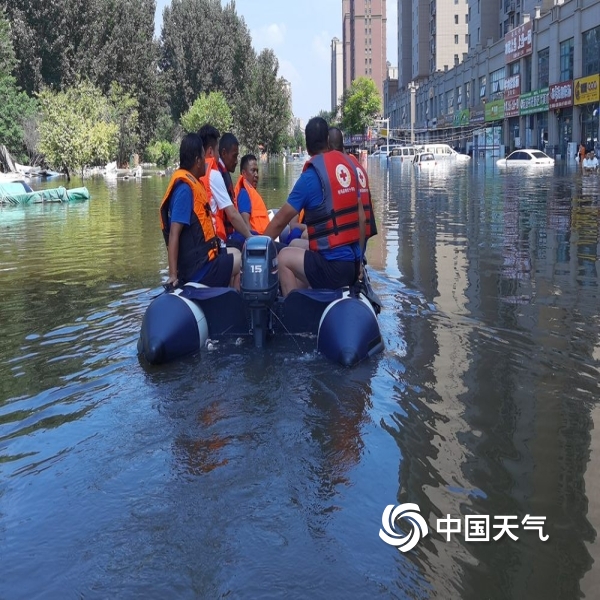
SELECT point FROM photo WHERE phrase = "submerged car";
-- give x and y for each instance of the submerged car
(527, 157)
(424, 160)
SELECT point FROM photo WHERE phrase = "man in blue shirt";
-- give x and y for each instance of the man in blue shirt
(328, 264)
(188, 228)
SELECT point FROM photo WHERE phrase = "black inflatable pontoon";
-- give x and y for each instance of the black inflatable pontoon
(180, 322)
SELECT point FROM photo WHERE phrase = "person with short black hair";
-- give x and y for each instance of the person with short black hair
(226, 215)
(249, 202)
(328, 192)
(187, 225)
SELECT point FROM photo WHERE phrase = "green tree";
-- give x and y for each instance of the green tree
(361, 104)
(8, 60)
(299, 139)
(263, 114)
(125, 115)
(77, 128)
(57, 42)
(162, 153)
(330, 116)
(208, 108)
(204, 47)
(16, 107)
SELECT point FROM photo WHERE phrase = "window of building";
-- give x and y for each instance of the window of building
(468, 93)
(566, 60)
(467, 39)
(526, 83)
(478, 35)
(482, 86)
(497, 81)
(458, 98)
(456, 19)
(456, 39)
(591, 51)
(514, 68)
(543, 68)
(467, 17)
(455, 60)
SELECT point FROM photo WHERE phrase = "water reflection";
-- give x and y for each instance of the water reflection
(243, 473)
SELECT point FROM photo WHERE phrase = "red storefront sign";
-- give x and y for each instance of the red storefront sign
(518, 42)
(512, 86)
(561, 95)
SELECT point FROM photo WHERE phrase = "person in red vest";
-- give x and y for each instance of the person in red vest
(187, 225)
(336, 142)
(225, 214)
(248, 201)
(328, 191)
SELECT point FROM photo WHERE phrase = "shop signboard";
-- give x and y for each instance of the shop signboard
(494, 111)
(587, 90)
(534, 102)
(561, 95)
(461, 118)
(477, 115)
(518, 42)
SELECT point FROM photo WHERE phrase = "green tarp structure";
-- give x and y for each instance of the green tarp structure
(59, 194)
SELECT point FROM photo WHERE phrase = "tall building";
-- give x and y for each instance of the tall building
(337, 73)
(364, 40)
(433, 35)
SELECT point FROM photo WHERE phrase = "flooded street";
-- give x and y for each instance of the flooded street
(246, 474)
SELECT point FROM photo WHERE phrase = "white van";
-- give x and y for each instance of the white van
(444, 151)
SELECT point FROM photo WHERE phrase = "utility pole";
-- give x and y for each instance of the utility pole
(413, 87)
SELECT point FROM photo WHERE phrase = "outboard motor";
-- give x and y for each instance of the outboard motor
(259, 284)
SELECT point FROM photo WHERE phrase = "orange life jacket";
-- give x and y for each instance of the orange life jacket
(259, 216)
(365, 196)
(218, 214)
(198, 243)
(335, 222)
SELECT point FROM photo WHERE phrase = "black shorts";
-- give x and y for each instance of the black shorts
(219, 272)
(328, 274)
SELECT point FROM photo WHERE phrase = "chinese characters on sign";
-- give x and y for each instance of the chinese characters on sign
(518, 42)
(561, 95)
(512, 89)
(533, 102)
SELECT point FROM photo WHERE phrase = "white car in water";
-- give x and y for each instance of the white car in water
(424, 160)
(526, 158)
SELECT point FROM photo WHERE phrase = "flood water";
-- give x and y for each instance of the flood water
(245, 474)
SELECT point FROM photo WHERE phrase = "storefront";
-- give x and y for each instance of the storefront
(587, 96)
(534, 107)
(512, 90)
(560, 102)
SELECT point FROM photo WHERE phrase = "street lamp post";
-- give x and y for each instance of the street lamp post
(412, 86)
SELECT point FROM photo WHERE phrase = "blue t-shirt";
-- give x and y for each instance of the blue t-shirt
(243, 202)
(307, 194)
(180, 211)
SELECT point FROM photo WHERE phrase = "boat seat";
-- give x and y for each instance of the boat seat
(301, 310)
(224, 309)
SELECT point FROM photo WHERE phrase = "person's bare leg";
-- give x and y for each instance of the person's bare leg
(291, 270)
(235, 273)
(298, 243)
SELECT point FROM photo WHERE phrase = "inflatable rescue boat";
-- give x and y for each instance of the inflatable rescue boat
(180, 322)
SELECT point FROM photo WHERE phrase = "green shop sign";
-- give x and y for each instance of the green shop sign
(534, 102)
(461, 118)
(494, 110)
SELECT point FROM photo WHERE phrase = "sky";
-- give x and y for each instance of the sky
(300, 34)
